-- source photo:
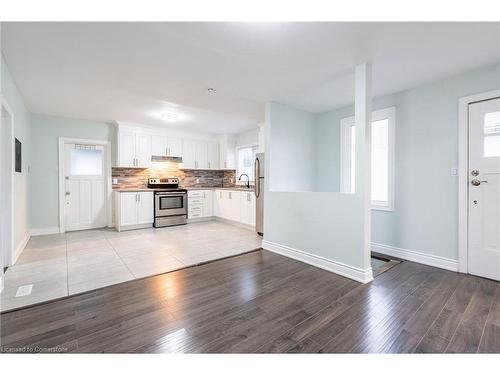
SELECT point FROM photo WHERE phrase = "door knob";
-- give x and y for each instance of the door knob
(476, 182)
(474, 172)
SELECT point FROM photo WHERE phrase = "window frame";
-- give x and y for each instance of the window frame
(345, 155)
(238, 148)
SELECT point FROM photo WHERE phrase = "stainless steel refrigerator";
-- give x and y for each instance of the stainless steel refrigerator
(259, 193)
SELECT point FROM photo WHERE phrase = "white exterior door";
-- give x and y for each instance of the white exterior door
(85, 186)
(484, 189)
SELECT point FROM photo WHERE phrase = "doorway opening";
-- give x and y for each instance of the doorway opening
(84, 184)
(7, 252)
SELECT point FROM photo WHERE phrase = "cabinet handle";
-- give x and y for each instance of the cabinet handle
(225, 164)
(136, 198)
(220, 194)
(139, 195)
(230, 195)
(208, 164)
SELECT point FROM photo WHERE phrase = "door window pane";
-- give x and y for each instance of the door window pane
(492, 134)
(380, 160)
(86, 160)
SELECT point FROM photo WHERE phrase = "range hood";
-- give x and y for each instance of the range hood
(160, 158)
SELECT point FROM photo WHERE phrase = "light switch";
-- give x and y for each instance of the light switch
(454, 172)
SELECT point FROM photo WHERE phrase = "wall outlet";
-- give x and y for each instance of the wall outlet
(232, 181)
(197, 180)
(115, 181)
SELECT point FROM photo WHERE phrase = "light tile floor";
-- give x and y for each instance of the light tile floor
(63, 264)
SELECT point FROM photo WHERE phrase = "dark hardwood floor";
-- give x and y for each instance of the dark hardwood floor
(262, 302)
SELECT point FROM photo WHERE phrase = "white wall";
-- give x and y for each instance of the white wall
(293, 148)
(21, 118)
(425, 218)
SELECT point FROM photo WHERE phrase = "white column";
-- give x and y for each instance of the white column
(362, 112)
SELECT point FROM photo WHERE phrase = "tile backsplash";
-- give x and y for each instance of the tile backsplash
(138, 178)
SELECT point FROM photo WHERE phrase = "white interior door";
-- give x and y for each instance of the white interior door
(484, 189)
(85, 182)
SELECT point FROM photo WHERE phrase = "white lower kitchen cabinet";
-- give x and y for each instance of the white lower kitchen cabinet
(200, 204)
(227, 205)
(133, 210)
(247, 208)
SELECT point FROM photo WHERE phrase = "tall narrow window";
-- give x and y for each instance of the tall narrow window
(246, 158)
(382, 157)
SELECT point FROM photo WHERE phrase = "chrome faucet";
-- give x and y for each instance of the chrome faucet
(248, 179)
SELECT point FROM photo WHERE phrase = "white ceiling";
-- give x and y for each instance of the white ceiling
(136, 71)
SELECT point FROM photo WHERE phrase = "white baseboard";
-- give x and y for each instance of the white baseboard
(20, 247)
(236, 223)
(415, 256)
(44, 231)
(357, 274)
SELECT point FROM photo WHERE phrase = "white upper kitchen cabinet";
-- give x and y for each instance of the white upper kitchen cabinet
(166, 146)
(143, 150)
(126, 149)
(189, 154)
(227, 152)
(134, 149)
(174, 147)
(201, 155)
(159, 145)
(213, 155)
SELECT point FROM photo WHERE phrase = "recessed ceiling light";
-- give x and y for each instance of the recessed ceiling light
(211, 90)
(169, 116)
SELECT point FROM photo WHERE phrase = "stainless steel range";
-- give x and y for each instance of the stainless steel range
(170, 202)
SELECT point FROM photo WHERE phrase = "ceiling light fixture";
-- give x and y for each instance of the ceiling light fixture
(169, 116)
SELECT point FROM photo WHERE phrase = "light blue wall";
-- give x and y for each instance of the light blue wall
(425, 218)
(327, 226)
(293, 149)
(22, 133)
(44, 175)
(328, 149)
(250, 137)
